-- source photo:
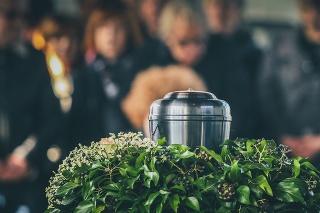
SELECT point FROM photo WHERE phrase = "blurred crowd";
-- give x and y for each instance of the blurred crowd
(66, 80)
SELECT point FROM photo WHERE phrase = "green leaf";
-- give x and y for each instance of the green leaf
(180, 147)
(151, 176)
(99, 209)
(244, 194)
(140, 159)
(123, 172)
(169, 178)
(133, 171)
(186, 154)
(96, 165)
(86, 190)
(296, 167)
(85, 206)
(235, 173)
(66, 200)
(161, 141)
(174, 202)
(193, 203)
(66, 188)
(132, 181)
(288, 190)
(212, 153)
(262, 182)
(159, 208)
(151, 198)
(256, 190)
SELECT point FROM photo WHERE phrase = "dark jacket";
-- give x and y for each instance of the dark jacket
(98, 92)
(290, 86)
(28, 109)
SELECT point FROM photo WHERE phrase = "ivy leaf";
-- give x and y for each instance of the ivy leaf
(151, 198)
(85, 206)
(296, 167)
(244, 194)
(140, 159)
(262, 182)
(99, 209)
(151, 176)
(86, 190)
(186, 154)
(258, 192)
(133, 171)
(66, 200)
(193, 203)
(174, 202)
(169, 178)
(96, 165)
(123, 172)
(162, 141)
(132, 181)
(288, 190)
(66, 188)
(235, 172)
(212, 153)
(159, 208)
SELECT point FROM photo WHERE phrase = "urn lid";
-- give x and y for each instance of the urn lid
(190, 105)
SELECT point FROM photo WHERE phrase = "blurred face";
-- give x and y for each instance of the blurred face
(8, 24)
(65, 47)
(110, 39)
(149, 14)
(186, 42)
(222, 15)
(310, 15)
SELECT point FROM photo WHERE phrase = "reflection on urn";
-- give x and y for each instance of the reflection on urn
(192, 118)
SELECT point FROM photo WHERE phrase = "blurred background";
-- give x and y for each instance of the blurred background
(73, 71)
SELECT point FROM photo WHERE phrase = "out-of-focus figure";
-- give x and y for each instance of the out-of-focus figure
(234, 61)
(224, 16)
(148, 12)
(154, 83)
(110, 38)
(62, 35)
(290, 85)
(183, 34)
(29, 117)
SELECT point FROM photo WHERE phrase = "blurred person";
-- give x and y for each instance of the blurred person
(290, 83)
(110, 38)
(224, 16)
(182, 38)
(235, 62)
(154, 83)
(29, 117)
(148, 13)
(62, 35)
(185, 40)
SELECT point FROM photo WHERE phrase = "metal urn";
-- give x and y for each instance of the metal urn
(192, 118)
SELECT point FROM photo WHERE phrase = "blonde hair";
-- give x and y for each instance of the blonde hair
(189, 10)
(154, 83)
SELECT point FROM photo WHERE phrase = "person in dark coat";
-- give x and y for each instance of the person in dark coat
(236, 60)
(290, 85)
(224, 68)
(29, 119)
(182, 37)
(110, 37)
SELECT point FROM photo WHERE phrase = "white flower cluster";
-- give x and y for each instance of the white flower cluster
(136, 140)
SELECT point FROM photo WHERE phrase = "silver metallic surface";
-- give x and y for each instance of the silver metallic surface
(192, 118)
